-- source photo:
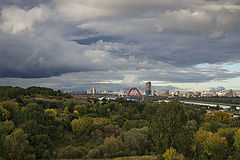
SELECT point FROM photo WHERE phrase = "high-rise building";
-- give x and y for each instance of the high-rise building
(229, 93)
(148, 88)
(89, 91)
(94, 90)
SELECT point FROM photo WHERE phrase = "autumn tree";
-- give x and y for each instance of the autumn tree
(82, 109)
(50, 115)
(216, 146)
(207, 144)
(228, 133)
(4, 114)
(220, 116)
(171, 154)
(82, 126)
(13, 110)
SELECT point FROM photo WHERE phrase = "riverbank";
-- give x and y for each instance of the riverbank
(212, 104)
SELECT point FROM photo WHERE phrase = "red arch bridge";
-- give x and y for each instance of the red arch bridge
(134, 88)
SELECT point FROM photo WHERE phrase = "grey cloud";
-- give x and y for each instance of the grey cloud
(103, 40)
(28, 57)
(26, 4)
(217, 89)
(92, 40)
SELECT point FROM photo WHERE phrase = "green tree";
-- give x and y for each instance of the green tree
(4, 114)
(192, 126)
(216, 146)
(207, 144)
(112, 147)
(6, 128)
(117, 120)
(128, 112)
(171, 154)
(212, 125)
(82, 109)
(138, 140)
(148, 111)
(169, 130)
(3, 146)
(82, 126)
(237, 139)
(129, 124)
(17, 143)
(199, 143)
(42, 144)
(103, 111)
(35, 112)
(12, 108)
(71, 152)
(50, 115)
(229, 134)
(110, 130)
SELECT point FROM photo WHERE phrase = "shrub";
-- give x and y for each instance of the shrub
(30, 157)
(134, 124)
(94, 153)
(111, 130)
(71, 152)
(171, 154)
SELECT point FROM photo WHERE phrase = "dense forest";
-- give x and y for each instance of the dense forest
(40, 123)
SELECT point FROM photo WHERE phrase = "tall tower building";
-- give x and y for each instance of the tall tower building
(148, 88)
(94, 90)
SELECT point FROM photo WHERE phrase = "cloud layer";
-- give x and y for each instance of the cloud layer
(120, 40)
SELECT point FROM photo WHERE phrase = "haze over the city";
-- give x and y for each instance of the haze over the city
(191, 44)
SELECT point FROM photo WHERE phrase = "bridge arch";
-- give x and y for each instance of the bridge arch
(134, 88)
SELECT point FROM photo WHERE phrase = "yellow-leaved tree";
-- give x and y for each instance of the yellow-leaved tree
(82, 126)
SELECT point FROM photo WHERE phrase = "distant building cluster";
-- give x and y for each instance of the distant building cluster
(92, 90)
(189, 94)
(149, 91)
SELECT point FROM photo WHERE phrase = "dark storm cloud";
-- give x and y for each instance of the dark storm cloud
(183, 50)
(38, 57)
(23, 3)
(92, 40)
(156, 39)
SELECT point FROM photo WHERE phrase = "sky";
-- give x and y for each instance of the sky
(112, 44)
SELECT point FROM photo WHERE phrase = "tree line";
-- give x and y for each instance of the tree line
(67, 128)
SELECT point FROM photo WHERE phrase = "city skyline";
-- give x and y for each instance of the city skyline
(182, 44)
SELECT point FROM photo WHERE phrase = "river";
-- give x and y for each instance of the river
(207, 104)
